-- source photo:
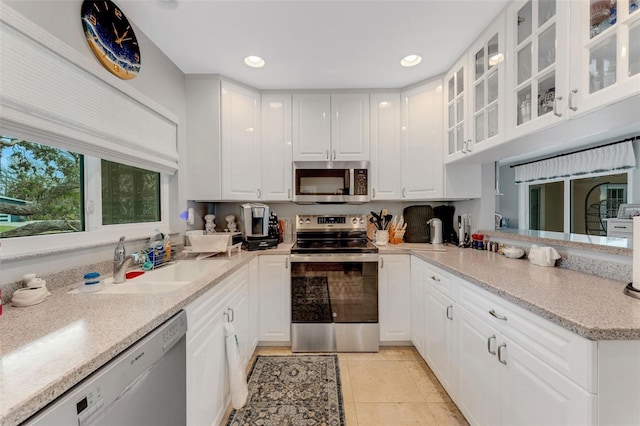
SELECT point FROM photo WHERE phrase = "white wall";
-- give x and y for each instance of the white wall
(159, 79)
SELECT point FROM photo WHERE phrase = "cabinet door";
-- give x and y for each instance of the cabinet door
(394, 292)
(311, 127)
(606, 48)
(418, 289)
(538, 72)
(478, 386)
(277, 173)
(422, 159)
(206, 370)
(240, 143)
(254, 303)
(275, 298)
(238, 312)
(455, 82)
(486, 88)
(440, 337)
(350, 127)
(531, 392)
(386, 147)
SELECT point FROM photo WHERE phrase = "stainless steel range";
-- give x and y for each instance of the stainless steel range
(334, 285)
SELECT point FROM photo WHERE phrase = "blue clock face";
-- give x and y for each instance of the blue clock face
(111, 37)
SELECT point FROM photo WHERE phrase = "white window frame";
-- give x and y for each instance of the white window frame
(523, 203)
(95, 234)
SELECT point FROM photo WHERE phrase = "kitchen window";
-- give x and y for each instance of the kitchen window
(48, 191)
(577, 206)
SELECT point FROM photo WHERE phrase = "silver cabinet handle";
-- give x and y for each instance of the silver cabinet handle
(464, 147)
(233, 316)
(502, 361)
(334, 154)
(286, 263)
(450, 312)
(373, 193)
(433, 277)
(555, 106)
(468, 143)
(404, 192)
(571, 107)
(259, 193)
(289, 193)
(489, 344)
(381, 262)
(229, 314)
(500, 317)
(327, 154)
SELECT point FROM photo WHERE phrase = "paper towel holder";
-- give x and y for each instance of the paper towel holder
(630, 290)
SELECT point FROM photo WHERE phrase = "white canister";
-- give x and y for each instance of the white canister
(382, 237)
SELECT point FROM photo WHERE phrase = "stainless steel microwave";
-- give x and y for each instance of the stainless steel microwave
(331, 182)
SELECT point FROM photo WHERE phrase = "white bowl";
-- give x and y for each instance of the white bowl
(513, 252)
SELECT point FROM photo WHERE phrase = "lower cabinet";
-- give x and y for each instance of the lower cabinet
(501, 364)
(394, 297)
(207, 374)
(418, 323)
(275, 298)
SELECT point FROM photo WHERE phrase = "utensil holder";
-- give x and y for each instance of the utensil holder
(395, 237)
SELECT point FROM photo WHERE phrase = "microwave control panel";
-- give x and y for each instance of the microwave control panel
(360, 186)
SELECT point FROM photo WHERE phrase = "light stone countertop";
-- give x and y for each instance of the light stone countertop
(48, 348)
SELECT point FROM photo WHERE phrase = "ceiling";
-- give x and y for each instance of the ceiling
(310, 44)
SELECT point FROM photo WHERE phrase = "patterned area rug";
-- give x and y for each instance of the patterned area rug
(296, 390)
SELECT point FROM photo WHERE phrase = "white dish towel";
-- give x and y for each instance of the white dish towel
(237, 376)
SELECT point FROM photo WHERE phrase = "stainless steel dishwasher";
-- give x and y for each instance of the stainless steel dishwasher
(144, 385)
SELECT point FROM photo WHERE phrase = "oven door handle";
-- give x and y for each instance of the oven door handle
(335, 257)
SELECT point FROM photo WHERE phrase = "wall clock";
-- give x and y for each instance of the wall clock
(111, 37)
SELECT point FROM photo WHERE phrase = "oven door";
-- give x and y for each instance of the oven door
(334, 288)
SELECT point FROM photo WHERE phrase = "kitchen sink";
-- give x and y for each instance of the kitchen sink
(164, 279)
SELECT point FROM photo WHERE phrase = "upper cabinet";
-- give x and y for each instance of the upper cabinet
(605, 51)
(422, 159)
(276, 148)
(455, 107)
(240, 136)
(538, 34)
(331, 127)
(386, 147)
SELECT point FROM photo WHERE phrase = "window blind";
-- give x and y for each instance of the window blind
(49, 99)
(612, 158)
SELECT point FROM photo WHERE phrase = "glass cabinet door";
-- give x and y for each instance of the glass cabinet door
(540, 71)
(455, 122)
(608, 49)
(487, 77)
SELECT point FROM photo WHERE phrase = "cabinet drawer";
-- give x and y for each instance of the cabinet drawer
(439, 279)
(568, 353)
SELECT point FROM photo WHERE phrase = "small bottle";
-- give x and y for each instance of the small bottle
(92, 282)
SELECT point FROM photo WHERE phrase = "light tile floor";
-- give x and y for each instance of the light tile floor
(393, 387)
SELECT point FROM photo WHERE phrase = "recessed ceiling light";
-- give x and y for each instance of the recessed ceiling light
(411, 60)
(254, 61)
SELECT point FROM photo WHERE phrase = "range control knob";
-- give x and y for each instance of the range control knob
(300, 221)
(354, 220)
(307, 221)
(361, 221)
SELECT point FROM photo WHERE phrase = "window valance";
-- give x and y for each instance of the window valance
(616, 157)
(49, 96)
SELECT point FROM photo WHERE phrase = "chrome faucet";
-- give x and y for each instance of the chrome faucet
(121, 262)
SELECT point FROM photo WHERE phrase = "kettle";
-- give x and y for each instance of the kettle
(435, 230)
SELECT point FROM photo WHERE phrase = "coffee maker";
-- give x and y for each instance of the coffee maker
(255, 220)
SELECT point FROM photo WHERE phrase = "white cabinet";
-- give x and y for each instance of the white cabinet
(422, 158)
(240, 136)
(275, 298)
(487, 83)
(207, 375)
(605, 52)
(276, 148)
(440, 318)
(386, 147)
(418, 300)
(455, 81)
(538, 34)
(331, 127)
(394, 292)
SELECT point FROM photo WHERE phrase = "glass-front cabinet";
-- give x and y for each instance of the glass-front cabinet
(487, 88)
(538, 66)
(455, 122)
(606, 48)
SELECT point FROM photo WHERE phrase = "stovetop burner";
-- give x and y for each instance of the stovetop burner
(334, 246)
(332, 234)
